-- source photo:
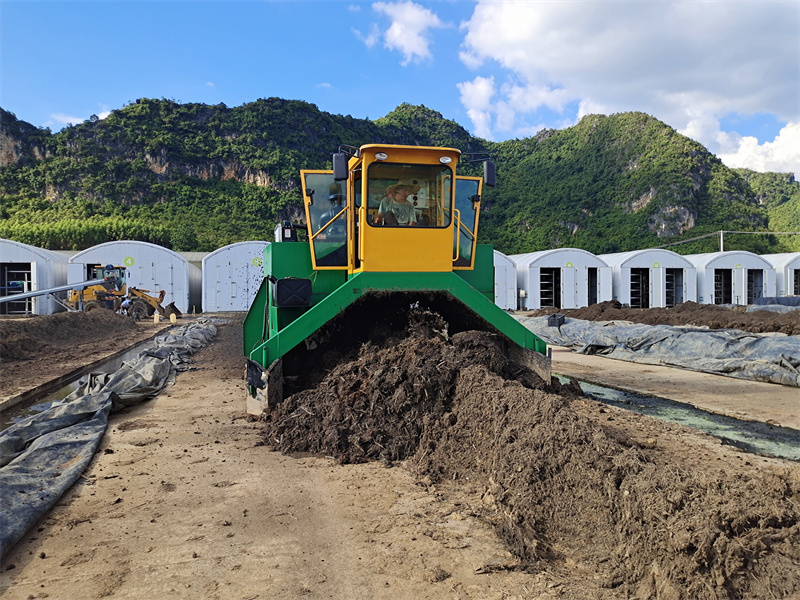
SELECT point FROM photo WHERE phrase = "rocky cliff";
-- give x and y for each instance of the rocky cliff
(21, 144)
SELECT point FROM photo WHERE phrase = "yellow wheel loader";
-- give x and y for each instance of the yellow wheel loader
(113, 290)
(92, 297)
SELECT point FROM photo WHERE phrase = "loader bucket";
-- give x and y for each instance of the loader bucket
(170, 309)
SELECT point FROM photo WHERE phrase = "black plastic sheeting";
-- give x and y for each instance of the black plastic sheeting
(43, 456)
(769, 358)
(778, 308)
(783, 304)
(778, 300)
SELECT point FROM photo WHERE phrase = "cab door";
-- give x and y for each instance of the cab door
(465, 226)
(327, 213)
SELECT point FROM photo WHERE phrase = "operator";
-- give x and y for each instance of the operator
(336, 198)
(395, 209)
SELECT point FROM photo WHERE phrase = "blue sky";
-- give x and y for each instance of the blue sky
(725, 73)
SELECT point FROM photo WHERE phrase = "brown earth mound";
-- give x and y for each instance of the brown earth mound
(29, 338)
(558, 486)
(687, 313)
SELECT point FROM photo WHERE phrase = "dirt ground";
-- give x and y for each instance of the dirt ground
(421, 466)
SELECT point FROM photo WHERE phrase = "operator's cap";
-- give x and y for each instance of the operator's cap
(335, 192)
(404, 183)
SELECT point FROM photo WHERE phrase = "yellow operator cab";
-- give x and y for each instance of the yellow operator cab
(392, 208)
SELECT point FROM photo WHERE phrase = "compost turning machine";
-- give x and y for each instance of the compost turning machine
(389, 227)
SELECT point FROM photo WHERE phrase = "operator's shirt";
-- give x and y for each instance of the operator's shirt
(404, 211)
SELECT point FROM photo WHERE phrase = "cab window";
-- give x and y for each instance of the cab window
(402, 195)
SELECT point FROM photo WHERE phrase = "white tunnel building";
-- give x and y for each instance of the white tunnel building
(653, 278)
(733, 277)
(148, 267)
(232, 275)
(25, 268)
(562, 278)
(787, 272)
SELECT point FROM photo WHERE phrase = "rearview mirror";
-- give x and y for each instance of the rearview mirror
(340, 169)
(488, 173)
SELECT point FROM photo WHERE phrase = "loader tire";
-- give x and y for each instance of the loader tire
(138, 310)
(91, 305)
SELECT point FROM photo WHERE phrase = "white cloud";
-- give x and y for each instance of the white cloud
(408, 32)
(686, 63)
(62, 119)
(210, 84)
(324, 85)
(781, 155)
(369, 39)
(476, 96)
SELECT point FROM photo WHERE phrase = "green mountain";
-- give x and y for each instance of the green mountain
(198, 177)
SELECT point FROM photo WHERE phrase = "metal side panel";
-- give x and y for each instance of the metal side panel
(254, 329)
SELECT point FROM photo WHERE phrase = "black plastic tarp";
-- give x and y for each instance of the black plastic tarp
(779, 300)
(758, 357)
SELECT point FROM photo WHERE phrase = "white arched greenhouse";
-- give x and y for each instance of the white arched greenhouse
(505, 281)
(787, 272)
(148, 267)
(652, 278)
(25, 268)
(561, 278)
(232, 275)
(732, 277)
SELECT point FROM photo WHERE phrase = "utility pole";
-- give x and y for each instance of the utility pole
(721, 241)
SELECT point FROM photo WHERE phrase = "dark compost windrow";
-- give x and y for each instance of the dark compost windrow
(555, 483)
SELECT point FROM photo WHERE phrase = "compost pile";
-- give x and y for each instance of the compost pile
(556, 484)
(686, 313)
(36, 350)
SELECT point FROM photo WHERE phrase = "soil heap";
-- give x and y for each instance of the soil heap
(556, 485)
(30, 338)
